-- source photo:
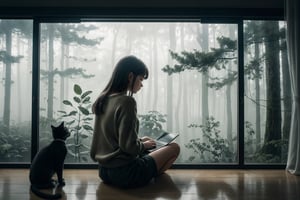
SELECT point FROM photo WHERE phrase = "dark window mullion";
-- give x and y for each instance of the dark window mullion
(241, 135)
(35, 88)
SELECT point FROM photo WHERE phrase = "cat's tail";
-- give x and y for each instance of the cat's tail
(43, 195)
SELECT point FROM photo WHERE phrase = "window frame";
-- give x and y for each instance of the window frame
(59, 15)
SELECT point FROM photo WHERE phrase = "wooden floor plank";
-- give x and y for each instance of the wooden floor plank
(175, 184)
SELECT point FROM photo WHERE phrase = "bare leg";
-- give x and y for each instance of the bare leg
(165, 157)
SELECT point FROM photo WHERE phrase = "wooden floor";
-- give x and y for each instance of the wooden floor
(175, 184)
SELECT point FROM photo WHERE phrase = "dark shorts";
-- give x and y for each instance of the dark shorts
(137, 173)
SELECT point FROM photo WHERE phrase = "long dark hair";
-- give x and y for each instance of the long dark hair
(118, 82)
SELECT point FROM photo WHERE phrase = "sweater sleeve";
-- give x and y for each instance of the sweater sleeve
(128, 128)
(93, 147)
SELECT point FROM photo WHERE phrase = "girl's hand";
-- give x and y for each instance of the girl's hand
(145, 138)
(149, 144)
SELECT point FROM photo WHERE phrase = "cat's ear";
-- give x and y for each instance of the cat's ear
(62, 124)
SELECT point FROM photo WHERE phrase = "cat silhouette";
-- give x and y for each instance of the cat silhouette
(49, 161)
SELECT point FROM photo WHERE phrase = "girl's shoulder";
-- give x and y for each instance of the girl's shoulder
(125, 103)
(124, 99)
(127, 99)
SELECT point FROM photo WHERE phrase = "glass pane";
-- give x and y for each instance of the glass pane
(15, 90)
(200, 102)
(267, 93)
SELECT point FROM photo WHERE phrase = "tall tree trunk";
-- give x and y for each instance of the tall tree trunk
(67, 66)
(287, 94)
(19, 80)
(273, 121)
(179, 92)
(185, 104)
(229, 117)
(155, 74)
(203, 42)
(228, 100)
(257, 99)
(62, 79)
(129, 42)
(51, 72)
(7, 82)
(114, 44)
(177, 113)
(170, 80)
(213, 101)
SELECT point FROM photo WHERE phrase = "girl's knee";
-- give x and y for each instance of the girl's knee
(175, 147)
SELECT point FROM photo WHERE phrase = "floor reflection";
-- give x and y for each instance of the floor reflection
(247, 186)
(5, 191)
(162, 187)
(215, 190)
(175, 184)
(269, 187)
(59, 190)
(81, 190)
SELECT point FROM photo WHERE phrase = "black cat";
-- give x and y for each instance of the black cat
(47, 162)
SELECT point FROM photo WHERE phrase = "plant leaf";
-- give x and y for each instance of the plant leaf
(85, 94)
(84, 110)
(86, 100)
(70, 122)
(72, 113)
(77, 99)
(84, 136)
(87, 119)
(85, 146)
(62, 111)
(77, 89)
(67, 102)
(87, 127)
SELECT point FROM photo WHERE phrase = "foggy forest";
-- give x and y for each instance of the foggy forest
(192, 89)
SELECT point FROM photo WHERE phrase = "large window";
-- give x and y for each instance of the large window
(198, 99)
(193, 87)
(15, 90)
(267, 93)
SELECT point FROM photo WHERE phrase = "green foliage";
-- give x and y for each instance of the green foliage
(249, 129)
(263, 157)
(151, 124)
(227, 44)
(69, 34)
(23, 27)
(202, 62)
(254, 69)
(258, 155)
(250, 141)
(253, 32)
(15, 145)
(212, 148)
(218, 83)
(70, 72)
(78, 120)
(6, 58)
